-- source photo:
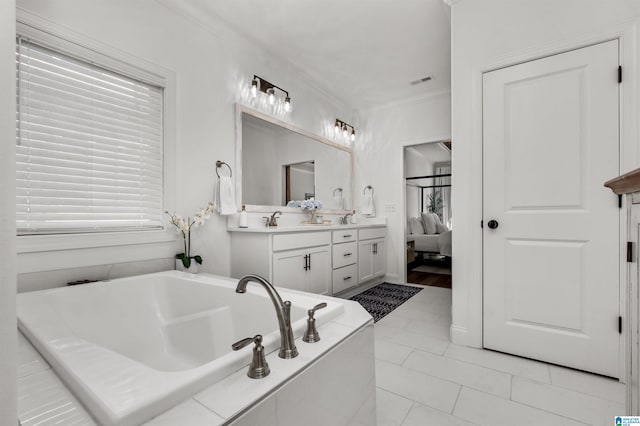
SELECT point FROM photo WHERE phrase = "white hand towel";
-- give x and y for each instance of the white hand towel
(225, 200)
(368, 206)
(338, 201)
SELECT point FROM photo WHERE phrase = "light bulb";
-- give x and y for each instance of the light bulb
(272, 96)
(337, 128)
(287, 104)
(345, 132)
(254, 88)
(353, 135)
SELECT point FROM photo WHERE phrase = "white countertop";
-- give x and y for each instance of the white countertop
(306, 228)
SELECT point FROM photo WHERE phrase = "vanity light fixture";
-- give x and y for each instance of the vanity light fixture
(262, 85)
(348, 131)
(272, 95)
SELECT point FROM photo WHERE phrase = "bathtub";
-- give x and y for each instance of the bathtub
(131, 348)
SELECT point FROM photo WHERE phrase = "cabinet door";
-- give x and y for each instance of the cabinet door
(288, 269)
(379, 263)
(319, 273)
(365, 261)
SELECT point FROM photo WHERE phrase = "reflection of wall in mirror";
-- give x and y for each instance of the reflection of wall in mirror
(332, 166)
(260, 177)
(267, 149)
(302, 181)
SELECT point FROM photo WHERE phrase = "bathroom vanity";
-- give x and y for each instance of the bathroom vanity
(319, 259)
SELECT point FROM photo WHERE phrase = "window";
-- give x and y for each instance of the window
(89, 146)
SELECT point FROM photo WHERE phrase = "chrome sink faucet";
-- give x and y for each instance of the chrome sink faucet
(283, 312)
(344, 220)
(273, 220)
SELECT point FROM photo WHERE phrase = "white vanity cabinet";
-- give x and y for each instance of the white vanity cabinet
(628, 186)
(345, 259)
(327, 260)
(372, 259)
(306, 270)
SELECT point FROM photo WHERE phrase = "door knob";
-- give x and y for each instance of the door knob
(492, 224)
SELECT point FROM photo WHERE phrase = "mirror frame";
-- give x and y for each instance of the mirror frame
(237, 172)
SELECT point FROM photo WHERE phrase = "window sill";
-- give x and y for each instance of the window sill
(39, 253)
(44, 243)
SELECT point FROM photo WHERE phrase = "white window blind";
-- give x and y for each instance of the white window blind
(89, 146)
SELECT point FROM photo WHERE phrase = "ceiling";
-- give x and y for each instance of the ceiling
(365, 52)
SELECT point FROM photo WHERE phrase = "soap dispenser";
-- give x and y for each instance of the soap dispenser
(353, 218)
(243, 218)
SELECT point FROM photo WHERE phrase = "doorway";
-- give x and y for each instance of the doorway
(551, 243)
(427, 171)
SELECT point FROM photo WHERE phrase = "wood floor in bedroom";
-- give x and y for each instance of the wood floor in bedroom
(428, 278)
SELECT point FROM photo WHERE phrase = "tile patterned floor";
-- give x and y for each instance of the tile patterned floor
(423, 379)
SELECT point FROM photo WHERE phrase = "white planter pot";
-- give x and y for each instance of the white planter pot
(193, 269)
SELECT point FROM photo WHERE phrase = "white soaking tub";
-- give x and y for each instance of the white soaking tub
(131, 348)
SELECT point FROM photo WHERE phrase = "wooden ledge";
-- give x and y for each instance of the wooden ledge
(628, 183)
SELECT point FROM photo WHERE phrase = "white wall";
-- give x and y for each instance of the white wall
(378, 155)
(491, 33)
(8, 410)
(213, 67)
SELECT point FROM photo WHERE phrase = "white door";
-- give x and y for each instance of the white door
(551, 266)
(379, 261)
(319, 272)
(289, 269)
(365, 261)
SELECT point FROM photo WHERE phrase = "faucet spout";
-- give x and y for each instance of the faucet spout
(283, 312)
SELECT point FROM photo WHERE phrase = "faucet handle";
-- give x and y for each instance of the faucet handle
(313, 310)
(311, 335)
(259, 367)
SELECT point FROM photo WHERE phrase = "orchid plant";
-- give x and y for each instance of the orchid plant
(184, 226)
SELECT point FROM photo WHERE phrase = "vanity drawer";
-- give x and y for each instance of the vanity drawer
(344, 278)
(370, 233)
(344, 236)
(301, 240)
(344, 254)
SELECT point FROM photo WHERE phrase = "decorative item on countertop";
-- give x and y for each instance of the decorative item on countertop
(184, 261)
(243, 220)
(353, 218)
(311, 206)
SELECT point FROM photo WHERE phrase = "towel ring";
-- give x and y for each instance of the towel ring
(368, 187)
(219, 164)
(337, 189)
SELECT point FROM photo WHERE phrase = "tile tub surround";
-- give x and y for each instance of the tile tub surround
(335, 328)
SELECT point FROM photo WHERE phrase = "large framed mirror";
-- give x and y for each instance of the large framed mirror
(279, 164)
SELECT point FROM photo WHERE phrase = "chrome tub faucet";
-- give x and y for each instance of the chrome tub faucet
(283, 312)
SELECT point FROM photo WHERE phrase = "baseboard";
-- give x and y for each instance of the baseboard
(347, 294)
(391, 278)
(460, 336)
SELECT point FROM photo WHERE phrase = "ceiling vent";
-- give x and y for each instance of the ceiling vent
(421, 80)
